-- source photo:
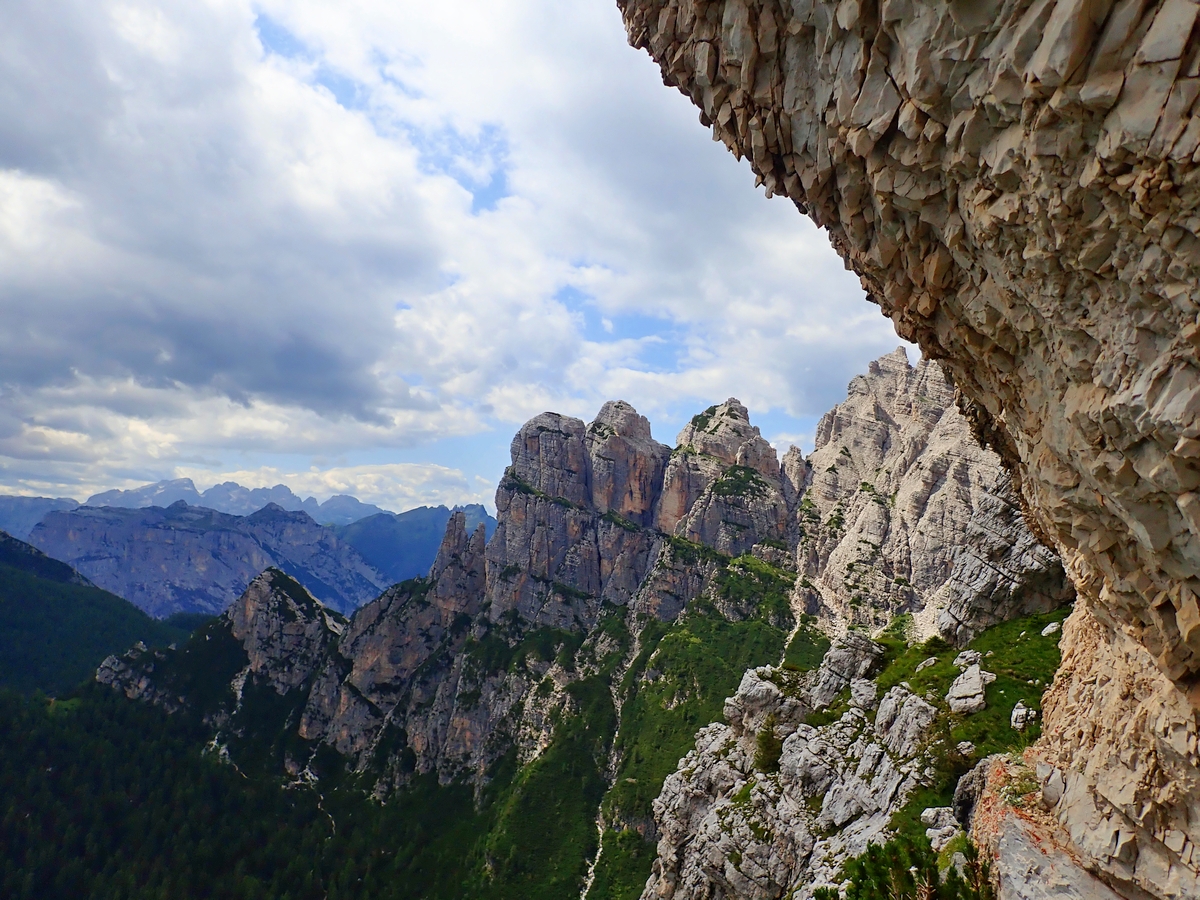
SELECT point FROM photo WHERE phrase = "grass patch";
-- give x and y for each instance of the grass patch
(697, 662)
(758, 589)
(806, 649)
(700, 420)
(1020, 654)
(624, 866)
(739, 481)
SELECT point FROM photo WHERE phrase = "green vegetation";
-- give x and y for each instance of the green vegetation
(906, 868)
(500, 650)
(514, 482)
(1024, 663)
(694, 667)
(768, 747)
(104, 798)
(806, 649)
(623, 867)
(545, 832)
(757, 589)
(739, 481)
(691, 553)
(54, 633)
(615, 518)
(700, 420)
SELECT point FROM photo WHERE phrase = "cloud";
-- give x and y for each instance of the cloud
(234, 231)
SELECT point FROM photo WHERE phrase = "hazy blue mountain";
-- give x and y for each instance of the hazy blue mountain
(343, 510)
(162, 493)
(56, 626)
(192, 559)
(230, 497)
(18, 515)
(234, 499)
(403, 545)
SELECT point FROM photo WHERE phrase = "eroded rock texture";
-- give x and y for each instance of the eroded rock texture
(732, 824)
(904, 512)
(1015, 181)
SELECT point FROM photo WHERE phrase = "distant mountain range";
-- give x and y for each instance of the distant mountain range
(230, 497)
(192, 559)
(18, 515)
(185, 558)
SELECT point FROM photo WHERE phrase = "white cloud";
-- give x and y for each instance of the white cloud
(231, 231)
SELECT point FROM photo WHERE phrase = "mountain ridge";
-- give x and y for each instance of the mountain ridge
(191, 559)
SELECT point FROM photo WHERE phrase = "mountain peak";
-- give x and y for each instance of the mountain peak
(283, 628)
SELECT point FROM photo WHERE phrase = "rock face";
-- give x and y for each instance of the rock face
(903, 512)
(1016, 184)
(1128, 759)
(1020, 206)
(966, 694)
(723, 486)
(734, 825)
(18, 515)
(190, 559)
(271, 642)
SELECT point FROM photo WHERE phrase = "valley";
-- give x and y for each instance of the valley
(558, 690)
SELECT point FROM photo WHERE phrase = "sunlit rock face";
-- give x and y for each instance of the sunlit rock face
(904, 512)
(1016, 185)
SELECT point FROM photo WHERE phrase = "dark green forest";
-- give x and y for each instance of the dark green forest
(104, 798)
(55, 628)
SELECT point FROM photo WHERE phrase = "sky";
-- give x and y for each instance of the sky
(350, 247)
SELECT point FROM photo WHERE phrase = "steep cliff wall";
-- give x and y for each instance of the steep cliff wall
(1015, 182)
(191, 559)
(903, 512)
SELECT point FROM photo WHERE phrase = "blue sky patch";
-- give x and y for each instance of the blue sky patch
(277, 39)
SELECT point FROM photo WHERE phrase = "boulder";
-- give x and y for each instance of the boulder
(966, 694)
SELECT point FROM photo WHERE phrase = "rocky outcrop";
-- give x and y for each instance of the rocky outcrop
(190, 559)
(851, 657)
(734, 824)
(1125, 748)
(1031, 853)
(274, 639)
(403, 545)
(1016, 185)
(723, 485)
(904, 512)
(1019, 205)
(284, 630)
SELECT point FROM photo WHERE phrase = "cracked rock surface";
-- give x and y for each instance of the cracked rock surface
(730, 829)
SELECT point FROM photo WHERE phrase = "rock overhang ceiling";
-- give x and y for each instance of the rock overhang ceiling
(1014, 183)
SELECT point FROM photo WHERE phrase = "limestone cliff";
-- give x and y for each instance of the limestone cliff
(904, 512)
(1015, 181)
(191, 559)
